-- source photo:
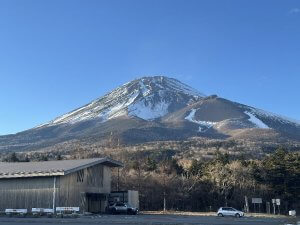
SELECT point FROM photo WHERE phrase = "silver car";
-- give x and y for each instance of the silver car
(229, 211)
(120, 207)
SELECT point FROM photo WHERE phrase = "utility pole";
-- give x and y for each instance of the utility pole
(164, 201)
(246, 204)
(118, 182)
(268, 210)
(54, 194)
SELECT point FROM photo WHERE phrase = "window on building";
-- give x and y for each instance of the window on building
(94, 176)
(80, 176)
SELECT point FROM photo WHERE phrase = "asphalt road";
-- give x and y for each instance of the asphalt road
(148, 220)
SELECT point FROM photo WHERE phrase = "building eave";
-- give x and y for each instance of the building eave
(61, 172)
(21, 175)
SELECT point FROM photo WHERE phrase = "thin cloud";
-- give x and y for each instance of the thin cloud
(294, 11)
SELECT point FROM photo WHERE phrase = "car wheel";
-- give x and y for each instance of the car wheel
(237, 215)
(220, 214)
(114, 211)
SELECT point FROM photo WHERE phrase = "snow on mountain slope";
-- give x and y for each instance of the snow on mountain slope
(203, 125)
(147, 98)
(142, 110)
(274, 117)
(215, 114)
(256, 121)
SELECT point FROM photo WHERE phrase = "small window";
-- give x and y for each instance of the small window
(80, 176)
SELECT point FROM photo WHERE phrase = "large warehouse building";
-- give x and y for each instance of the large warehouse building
(84, 183)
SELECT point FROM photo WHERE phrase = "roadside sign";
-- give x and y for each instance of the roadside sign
(273, 201)
(256, 200)
(16, 211)
(70, 209)
(41, 210)
(277, 201)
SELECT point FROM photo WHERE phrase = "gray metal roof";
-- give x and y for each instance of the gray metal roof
(51, 168)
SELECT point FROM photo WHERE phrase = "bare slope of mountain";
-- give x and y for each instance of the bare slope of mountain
(155, 109)
(214, 114)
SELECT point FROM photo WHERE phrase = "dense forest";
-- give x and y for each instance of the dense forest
(166, 182)
(205, 185)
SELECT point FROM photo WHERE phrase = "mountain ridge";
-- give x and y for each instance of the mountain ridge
(155, 109)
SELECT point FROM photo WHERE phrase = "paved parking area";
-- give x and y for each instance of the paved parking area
(149, 220)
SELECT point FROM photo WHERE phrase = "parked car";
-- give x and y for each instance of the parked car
(229, 211)
(120, 207)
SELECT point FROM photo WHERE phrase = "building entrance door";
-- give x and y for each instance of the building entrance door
(96, 202)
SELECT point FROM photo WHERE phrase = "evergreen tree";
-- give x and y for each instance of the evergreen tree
(44, 158)
(13, 157)
(176, 167)
(151, 164)
(26, 159)
(222, 158)
(282, 174)
(196, 168)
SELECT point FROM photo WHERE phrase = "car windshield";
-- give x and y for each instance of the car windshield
(120, 204)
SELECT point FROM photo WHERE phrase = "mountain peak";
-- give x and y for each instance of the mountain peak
(148, 98)
(165, 83)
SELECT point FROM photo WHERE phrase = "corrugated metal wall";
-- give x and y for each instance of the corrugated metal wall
(26, 193)
(71, 189)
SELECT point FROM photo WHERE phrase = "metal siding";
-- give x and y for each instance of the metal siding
(72, 193)
(37, 192)
(26, 193)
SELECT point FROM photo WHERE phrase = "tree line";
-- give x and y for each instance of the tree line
(167, 182)
(206, 185)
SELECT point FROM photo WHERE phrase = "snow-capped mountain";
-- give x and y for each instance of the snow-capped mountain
(156, 109)
(147, 98)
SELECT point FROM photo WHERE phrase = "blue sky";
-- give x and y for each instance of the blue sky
(57, 55)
